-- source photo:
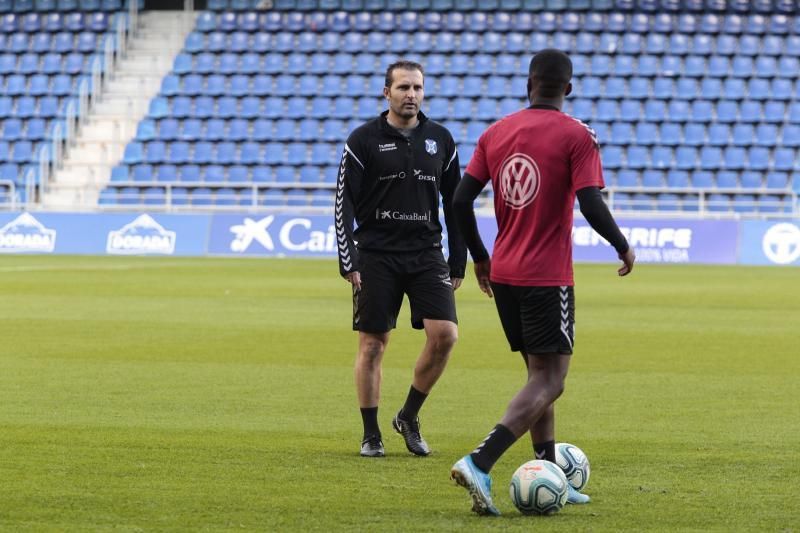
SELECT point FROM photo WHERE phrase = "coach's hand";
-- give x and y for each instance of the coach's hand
(482, 271)
(456, 282)
(355, 279)
(628, 258)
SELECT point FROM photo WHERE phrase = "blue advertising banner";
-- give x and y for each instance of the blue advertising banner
(663, 241)
(98, 234)
(770, 243)
(272, 235)
(655, 240)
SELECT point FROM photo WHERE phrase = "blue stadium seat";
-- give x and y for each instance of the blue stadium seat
(677, 179)
(735, 158)
(751, 180)
(687, 89)
(718, 202)
(216, 85)
(612, 157)
(718, 66)
(262, 174)
(784, 160)
(678, 43)
(743, 135)
(595, 22)
(190, 173)
(686, 158)
(213, 173)
(179, 153)
(615, 87)
(120, 173)
(627, 178)
(621, 133)
(777, 180)
(133, 153)
(201, 196)
(36, 129)
(742, 66)
(661, 157)
(664, 88)
(142, 173)
(639, 88)
(652, 178)
(744, 203)
(727, 179)
(702, 179)
(166, 173)
(637, 157)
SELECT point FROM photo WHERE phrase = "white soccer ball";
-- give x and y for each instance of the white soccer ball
(574, 463)
(538, 487)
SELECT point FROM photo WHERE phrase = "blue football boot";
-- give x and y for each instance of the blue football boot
(573, 496)
(477, 482)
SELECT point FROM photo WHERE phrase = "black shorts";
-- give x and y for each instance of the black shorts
(537, 320)
(385, 277)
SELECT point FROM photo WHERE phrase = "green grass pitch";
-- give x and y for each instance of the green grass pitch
(142, 394)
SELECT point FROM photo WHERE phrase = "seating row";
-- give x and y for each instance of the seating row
(30, 106)
(38, 85)
(502, 64)
(217, 196)
(501, 21)
(55, 22)
(447, 40)
(707, 158)
(24, 6)
(647, 6)
(473, 86)
(50, 63)
(63, 42)
(221, 196)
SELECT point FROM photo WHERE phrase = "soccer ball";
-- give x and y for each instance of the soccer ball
(538, 487)
(574, 463)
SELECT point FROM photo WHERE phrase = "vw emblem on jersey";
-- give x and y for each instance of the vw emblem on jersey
(519, 180)
(781, 243)
(430, 146)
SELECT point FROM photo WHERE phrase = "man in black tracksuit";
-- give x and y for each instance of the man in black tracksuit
(393, 170)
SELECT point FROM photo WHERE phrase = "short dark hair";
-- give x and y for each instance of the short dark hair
(402, 64)
(552, 71)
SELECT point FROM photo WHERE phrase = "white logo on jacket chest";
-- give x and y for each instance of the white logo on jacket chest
(431, 147)
(388, 147)
(423, 177)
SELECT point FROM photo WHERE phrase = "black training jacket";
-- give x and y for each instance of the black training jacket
(390, 186)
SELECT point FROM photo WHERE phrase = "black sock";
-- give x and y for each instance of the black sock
(413, 404)
(493, 446)
(369, 415)
(545, 451)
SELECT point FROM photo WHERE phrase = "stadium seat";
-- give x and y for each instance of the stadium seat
(677, 179)
(702, 179)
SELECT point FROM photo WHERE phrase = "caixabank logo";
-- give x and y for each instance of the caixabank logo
(142, 236)
(25, 234)
(282, 235)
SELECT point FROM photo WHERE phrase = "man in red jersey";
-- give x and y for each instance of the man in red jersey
(538, 160)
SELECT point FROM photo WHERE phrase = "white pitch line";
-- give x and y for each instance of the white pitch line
(50, 268)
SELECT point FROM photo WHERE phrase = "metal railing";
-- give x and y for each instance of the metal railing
(8, 194)
(765, 203)
(160, 195)
(63, 135)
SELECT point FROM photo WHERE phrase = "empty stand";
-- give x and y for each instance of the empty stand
(683, 98)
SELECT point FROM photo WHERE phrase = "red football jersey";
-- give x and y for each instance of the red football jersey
(536, 159)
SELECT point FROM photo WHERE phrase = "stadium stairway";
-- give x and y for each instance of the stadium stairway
(111, 124)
